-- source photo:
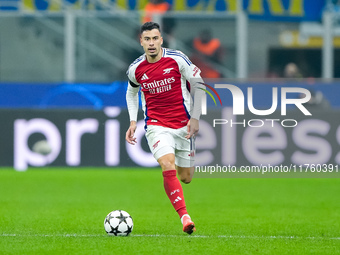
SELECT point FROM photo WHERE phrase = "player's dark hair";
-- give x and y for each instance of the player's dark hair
(149, 26)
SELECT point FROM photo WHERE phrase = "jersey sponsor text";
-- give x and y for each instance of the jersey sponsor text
(156, 84)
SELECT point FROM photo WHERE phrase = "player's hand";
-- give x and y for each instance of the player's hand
(192, 128)
(129, 137)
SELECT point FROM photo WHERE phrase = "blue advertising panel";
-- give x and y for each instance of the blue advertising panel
(62, 95)
(99, 96)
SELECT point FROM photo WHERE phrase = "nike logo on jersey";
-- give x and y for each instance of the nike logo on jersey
(144, 77)
(167, 70)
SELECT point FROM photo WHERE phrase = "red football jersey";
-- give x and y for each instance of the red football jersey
(165, 94)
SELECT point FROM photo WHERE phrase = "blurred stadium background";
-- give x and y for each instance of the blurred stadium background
(63, 64)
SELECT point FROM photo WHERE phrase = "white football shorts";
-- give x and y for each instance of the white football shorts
(163, 140)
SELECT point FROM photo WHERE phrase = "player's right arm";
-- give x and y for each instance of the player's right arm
(132, 105)
(130, 133)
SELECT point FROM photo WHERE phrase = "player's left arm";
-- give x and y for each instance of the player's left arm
(193, 124)
(192, 74)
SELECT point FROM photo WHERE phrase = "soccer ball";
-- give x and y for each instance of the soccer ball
(118, 223)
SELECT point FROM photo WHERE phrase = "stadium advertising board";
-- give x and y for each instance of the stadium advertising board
(97, 138)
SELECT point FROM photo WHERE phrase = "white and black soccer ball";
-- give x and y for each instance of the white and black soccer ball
(118, 223)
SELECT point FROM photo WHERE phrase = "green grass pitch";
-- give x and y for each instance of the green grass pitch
(61, 211)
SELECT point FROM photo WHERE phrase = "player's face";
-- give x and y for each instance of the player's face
(151, 40)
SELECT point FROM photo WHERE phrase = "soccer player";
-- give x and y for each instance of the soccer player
(166, 78)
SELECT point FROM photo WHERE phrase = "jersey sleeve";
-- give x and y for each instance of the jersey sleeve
(132, 100)
(193, 75)
(131, 72)
(186, 67)
(131, 76)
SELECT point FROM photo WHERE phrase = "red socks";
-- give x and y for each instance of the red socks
(173, 189)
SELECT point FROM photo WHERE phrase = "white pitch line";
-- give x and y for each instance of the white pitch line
(48, 235)
(174, 236)
(241, 237)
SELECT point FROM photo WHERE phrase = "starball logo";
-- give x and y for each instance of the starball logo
(239, 105)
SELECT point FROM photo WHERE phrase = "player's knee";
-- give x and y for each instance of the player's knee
(166, 165)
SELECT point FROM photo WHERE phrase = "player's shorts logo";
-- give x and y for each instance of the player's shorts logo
(155, 144)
